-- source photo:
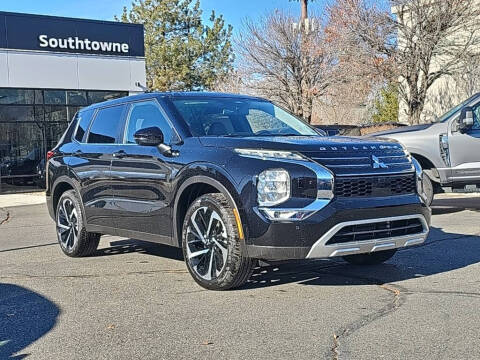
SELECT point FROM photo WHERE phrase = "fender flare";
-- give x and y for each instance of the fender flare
(205, 180)
(431, 173)
(74, 185)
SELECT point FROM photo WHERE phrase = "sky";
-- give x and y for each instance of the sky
(234, 11)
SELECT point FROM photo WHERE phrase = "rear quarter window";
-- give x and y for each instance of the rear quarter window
(83, 118)
(106, 126)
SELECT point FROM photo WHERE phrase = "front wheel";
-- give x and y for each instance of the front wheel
(212, 246)
(371, 258)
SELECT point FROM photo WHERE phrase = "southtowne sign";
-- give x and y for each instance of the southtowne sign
(56, 34)
(82, 44)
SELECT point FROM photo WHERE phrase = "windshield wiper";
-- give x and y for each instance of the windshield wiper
(292, 135)
(231, 135)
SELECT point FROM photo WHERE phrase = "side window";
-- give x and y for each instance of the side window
(144, 115)
(84, 118)
(476, 117)
(106, 125)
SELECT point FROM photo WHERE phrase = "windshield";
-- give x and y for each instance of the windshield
(451, 112)
(239, 117)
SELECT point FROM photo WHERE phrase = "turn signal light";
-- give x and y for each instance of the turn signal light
(50, 154)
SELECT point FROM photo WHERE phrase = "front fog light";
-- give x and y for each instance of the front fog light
(273, 187)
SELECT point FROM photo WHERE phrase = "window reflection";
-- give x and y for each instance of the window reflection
(31, 123)
(21, 154)
(77, 98)
(99, 96)
(55, 97)
(16, 113)
(16, 96)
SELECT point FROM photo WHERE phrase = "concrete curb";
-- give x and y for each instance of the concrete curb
(9, 200)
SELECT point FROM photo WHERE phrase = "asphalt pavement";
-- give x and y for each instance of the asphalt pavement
(136, 300)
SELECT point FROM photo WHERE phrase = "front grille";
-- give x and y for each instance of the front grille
(377, 230)
(375, 186)
(358, 160)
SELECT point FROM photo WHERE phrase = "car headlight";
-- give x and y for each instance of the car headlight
(269, 154)
(273, 187)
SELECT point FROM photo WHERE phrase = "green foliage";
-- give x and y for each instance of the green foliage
(181, 52)
(386, 105)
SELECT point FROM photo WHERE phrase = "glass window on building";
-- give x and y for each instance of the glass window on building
(22, 149)
(55, 97)
(78, 98)
(16, 113)
(31, 123)
(38, 96)
(99, 96)
(16, 96)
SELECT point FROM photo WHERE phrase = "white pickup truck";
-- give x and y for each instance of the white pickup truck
(448, 149)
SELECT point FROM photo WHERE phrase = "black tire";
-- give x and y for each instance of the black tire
(371, 258)
(428, 189)
(81, 243)
(235, 268)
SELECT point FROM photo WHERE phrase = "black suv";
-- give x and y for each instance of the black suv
(230, 179)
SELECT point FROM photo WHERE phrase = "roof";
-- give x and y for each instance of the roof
(186, 94)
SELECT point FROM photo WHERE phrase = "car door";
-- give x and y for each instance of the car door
(465, 151)
(92, 159)
(141, 177)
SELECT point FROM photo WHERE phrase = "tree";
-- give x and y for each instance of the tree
(386, 105)
(421, 42)
(181, 52)
(287, 65)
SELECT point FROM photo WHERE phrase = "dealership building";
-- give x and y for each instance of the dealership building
(49, 68)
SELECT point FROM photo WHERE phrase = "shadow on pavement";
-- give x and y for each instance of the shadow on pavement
(453, 205)
(442, 252)
(25, 316)
(144, 247)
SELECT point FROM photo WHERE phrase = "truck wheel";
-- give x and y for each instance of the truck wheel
(428, 189)
(72, 236)
(371, 258)
(211, 244)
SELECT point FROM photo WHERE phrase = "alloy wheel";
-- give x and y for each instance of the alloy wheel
(206, 243)
(67, 224)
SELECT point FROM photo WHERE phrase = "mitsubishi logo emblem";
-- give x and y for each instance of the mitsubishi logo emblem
(377, 164)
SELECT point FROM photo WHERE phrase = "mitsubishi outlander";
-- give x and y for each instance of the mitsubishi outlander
(230, 179)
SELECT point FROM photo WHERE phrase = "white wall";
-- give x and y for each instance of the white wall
(30, 69)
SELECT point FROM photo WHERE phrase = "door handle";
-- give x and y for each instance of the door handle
(119, 154)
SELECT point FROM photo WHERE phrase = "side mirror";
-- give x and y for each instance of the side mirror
(465, 121)
(151, 136)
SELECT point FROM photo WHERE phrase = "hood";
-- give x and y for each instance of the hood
(295, 143)
(344, 156)
(403, 129)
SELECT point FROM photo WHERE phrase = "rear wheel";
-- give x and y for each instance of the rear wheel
(212, 246)
(371, 258)
(74, 239)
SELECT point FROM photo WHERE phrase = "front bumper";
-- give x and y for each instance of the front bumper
(321, 248)
(311, 238)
